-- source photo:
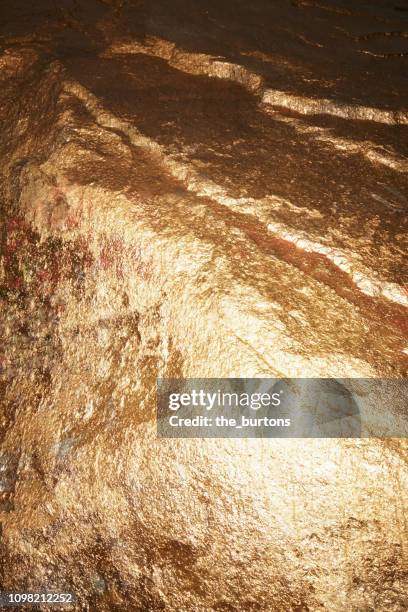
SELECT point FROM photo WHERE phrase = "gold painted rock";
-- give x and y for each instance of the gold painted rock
(198, 202)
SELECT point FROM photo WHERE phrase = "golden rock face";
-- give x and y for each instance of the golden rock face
(211, 191)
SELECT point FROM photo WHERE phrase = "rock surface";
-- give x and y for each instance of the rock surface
(219, 191)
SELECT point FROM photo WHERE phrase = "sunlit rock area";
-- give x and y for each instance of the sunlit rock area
(208, 188)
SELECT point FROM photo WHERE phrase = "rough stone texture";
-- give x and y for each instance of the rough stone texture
(212, 190)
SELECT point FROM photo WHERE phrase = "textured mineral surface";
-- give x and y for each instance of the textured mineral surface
(199, 189)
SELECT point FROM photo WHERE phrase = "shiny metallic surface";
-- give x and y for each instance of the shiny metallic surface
(210, 189)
